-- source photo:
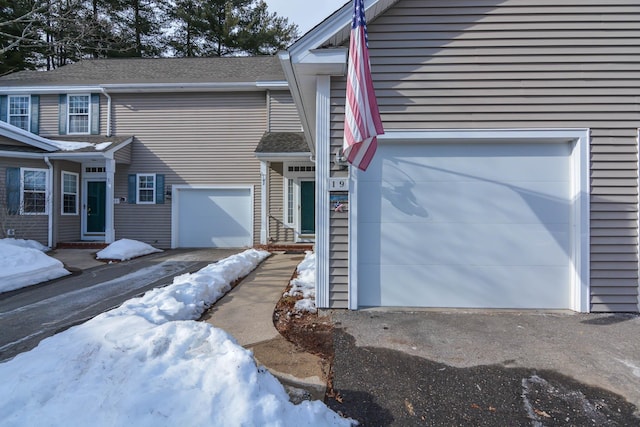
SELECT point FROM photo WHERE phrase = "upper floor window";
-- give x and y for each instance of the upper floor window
(78, 113)
(19, 111)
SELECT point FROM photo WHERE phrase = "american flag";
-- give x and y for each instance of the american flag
(362, 119)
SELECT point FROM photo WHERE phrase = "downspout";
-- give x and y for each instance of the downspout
(104, 92)
(50, 202)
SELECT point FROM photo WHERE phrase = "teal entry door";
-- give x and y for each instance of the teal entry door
(96, 192)
(307, 207)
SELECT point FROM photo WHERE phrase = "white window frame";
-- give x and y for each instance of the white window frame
(289, 202)
(46, 191)
(88, 96)
(140, 175)
(64, 193)
(9, 115)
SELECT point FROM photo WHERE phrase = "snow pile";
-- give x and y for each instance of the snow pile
(69, 145)
(125, 249)
(146, 364)
(305, 284)
(103, 145)
(23, 263)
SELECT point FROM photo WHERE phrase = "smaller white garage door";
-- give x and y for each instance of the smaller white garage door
(213, 217)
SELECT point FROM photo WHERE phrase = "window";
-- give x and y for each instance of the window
(146, 188)
(78, 113)
(19, 111)
(69, 193)
(33, 191)
(290, 202)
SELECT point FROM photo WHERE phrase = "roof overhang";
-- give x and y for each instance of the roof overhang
(320, 52)
(148, 87)
(284, 157)
(20, 135)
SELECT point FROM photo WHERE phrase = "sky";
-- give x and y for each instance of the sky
(306, 14)
(149, 363)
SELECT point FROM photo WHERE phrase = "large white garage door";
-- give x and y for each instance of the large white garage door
(466, 225)
(213, 218)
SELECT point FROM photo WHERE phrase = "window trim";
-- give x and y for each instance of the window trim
(289, 201)
(153, 188)
(9, 115)
(46, 191)
(89, 112)
(63, 193)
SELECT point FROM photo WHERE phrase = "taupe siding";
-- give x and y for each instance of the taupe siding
(33, 227)
(123, 155)
(206, 138)
(278, 231)
(283, 115)
(49, 115)
(66, 228)
(525, 64)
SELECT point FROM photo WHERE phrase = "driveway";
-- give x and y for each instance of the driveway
(31, 314)
(487, 368)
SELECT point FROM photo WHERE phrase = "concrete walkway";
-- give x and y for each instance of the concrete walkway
(246, 313)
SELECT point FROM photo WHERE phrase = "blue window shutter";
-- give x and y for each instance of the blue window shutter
(95, 114)
(133, 183)
(159, 189)
(62, 114)
(4, 110)
(35, 114)
(13, 190)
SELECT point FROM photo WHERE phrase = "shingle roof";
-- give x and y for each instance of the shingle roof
(153, 70)
(92, 139)
(282, 142)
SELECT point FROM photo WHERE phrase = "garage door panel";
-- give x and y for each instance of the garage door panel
(456, 286)
(459, 162)
(483, 202)
(214, 218)
(475, 244)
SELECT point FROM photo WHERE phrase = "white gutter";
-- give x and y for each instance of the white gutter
(50, 202)
(104, 92)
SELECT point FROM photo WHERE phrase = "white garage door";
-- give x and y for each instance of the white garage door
(214, 218)
(466, 225)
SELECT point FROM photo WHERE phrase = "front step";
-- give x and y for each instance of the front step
(81, 245)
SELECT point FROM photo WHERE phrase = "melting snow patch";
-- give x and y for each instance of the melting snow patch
(125, 249)
(305, 284)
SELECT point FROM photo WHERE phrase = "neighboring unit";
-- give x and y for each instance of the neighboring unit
(508, 173)
(158, 150)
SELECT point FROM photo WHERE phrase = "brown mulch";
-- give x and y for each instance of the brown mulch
(308, 331)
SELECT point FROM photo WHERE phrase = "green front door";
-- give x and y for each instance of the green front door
(96, 192)
(307, 207)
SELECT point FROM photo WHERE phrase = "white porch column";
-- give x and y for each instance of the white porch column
(109, 230)
(264, 217)
(323, 209)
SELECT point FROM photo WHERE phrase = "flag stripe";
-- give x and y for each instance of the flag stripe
(362, 123)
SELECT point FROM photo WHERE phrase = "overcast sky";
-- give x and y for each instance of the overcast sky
(306, 14)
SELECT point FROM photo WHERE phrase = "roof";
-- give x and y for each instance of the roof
(153, 70)
(115, 142)
(282, 142)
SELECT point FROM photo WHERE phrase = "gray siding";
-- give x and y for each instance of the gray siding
(278, 231)
(283, 115)
(193, 138)
(34, 227)
(66, 228)
(524, 64)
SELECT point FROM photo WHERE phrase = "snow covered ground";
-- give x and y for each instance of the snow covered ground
(305, 284)
(24, 263)
(149, 363)
(125, 249)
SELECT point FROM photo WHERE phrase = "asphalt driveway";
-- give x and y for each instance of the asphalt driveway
(487, 368)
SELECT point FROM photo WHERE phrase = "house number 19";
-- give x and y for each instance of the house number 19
(338, 184)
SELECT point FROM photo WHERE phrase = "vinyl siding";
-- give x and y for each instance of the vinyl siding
(34, 227)
(283, 115)
(66, 227)
(278, 231)
(193, 139)
(466, 64)
(49, 115)
(123, 155)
